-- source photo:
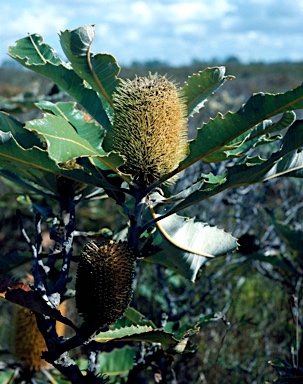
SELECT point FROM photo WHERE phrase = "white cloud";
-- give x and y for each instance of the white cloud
(38, 20)
(14, 25)
(169, 30)
(141, 12)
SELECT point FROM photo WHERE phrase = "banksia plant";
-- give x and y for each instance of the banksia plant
(27, 341)
(150, 127)
(104, 284)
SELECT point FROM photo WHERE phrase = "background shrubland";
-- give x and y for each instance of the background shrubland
(254, 289)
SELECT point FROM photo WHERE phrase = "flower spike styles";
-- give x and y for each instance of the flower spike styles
(150, 127)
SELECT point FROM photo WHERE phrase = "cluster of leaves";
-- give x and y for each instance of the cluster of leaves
(62, 155)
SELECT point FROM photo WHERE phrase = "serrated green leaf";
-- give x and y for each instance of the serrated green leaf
(201, 85)
(138, 334)
(100, 70)
(221, 130)
(133, 315)
(26, 164)
(87, 130)
(25, 138)
(255, 160)
(267, 127)
(137, 318)
(287, 119)
(64, 144)
(104, 337)
(239, 147)
(34, 54)
(207, 182)
(281, 163)
(186, 244)
(194, 236)
(259, 135)
(187, 330)
(35, 166)
(181, 332)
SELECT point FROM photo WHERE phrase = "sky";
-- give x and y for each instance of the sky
(172, 31)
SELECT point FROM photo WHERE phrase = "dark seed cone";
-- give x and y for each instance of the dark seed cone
(150, 127)
(104, 284)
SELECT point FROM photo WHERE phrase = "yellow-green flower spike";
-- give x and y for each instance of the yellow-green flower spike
(104, 284)
(150, 127)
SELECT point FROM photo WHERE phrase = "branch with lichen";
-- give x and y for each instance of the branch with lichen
(62, 233)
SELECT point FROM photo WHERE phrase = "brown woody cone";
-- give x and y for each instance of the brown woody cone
(104, 281)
